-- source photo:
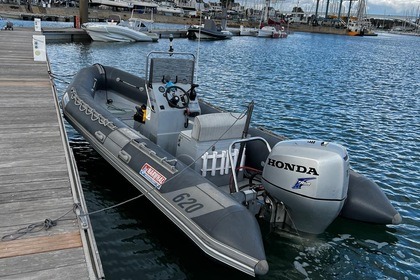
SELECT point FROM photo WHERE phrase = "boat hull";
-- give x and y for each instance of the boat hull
(367, 203)
(203, 34)
(115, 33)
(243, 31)
(271, 32)
(208, 31)
(222, 227)
(358, 33)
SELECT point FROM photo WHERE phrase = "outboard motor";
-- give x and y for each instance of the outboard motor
(311, 179)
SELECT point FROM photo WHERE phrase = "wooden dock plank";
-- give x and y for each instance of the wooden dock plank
(21, 212)
(29, 132)
(22, 118)
(26, 154)
(45, 191)
(22, 197)
(48, 265)
(30, 72)
(13, 179)
(9, 162)
(31, 126)
(18, 84)
(19, 145)
(41, 244)
(33, 185)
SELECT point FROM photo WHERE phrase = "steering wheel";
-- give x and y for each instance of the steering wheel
(174, 98)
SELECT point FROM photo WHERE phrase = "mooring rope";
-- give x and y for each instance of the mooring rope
(60, 77)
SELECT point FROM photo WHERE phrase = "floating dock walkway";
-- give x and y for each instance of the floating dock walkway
(80, 35)
(39, 183)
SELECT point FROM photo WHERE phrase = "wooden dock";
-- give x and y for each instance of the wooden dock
(65, 35)
(38, 178)
(80, 35)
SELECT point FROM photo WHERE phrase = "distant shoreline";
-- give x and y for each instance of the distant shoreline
(63, 14)
(68, 14)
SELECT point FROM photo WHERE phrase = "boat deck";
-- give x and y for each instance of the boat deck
(38, 178)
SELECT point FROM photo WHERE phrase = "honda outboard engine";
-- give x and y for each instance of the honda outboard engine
(311, 179)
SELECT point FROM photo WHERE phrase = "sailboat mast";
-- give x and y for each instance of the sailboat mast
(316, 10)
(339, 10)
(267, 4)
(326, 10)
(361, 10)
(348, 13)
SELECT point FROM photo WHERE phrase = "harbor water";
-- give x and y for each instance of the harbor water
(361, 92)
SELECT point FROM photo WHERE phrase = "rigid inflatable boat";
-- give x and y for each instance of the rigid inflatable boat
(207, 170)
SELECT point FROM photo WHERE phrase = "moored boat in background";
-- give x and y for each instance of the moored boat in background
(117, 30)
(268, 32)
(247, 31)
(208, 31)
(270, 28)
(361, 25)
(169, 9)
(360, 28)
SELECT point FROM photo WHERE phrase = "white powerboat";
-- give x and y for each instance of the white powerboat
(117, 30)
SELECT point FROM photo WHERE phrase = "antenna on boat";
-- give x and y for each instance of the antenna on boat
(249, 111)
(198, 45)
(171, 48)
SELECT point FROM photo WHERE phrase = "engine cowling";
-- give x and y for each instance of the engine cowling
(311, 178)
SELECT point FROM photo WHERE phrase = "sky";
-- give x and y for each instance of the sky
(374, 7)
(394, 7)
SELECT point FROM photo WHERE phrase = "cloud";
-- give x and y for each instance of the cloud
(397, 7)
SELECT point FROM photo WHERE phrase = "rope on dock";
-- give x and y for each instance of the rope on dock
(37, 227)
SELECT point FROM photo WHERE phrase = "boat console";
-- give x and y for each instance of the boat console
(205, 147)
(174, 120)
(171, 102)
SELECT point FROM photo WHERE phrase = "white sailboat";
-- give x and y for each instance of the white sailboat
(361, 26)
(270, 31)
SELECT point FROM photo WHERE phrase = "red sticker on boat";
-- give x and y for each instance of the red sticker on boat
(152, 175)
